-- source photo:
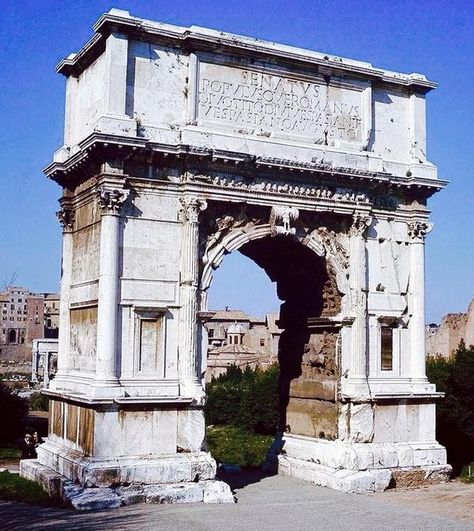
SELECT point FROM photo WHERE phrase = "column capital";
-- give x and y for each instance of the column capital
(190, 208)
(360, 223)
(417, 230)
(66, 217)
(111, 200)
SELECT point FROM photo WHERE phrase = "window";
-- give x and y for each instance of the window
(12, 336)
(262, 342)
(386, 348)
(210, 332)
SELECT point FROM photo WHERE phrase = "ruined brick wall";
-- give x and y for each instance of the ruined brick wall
(454, 328)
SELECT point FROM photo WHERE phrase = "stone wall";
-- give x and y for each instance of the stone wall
(444, 339)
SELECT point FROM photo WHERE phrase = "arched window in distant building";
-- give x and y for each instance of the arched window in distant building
(12, 336)
(235, 333)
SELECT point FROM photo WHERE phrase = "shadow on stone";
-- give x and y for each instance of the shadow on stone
(247, 476)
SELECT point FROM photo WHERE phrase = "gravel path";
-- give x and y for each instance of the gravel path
(270, 503)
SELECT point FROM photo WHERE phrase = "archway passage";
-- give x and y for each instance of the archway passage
(307, 351)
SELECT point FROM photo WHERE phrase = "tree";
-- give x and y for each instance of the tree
(455, 414)
(246, 399)
(14, 410)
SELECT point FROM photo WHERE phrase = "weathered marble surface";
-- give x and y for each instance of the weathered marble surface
(184, 144)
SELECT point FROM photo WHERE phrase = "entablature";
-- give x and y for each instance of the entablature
(215, 168)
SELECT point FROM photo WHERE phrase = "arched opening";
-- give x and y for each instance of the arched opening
(12, 336)
(307, 351)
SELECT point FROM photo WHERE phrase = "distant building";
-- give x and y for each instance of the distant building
(44, 361)
(51, 315)
(443, 340)
(25, 316)
(235, 338)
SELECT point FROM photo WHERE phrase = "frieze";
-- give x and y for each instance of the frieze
(338, 194)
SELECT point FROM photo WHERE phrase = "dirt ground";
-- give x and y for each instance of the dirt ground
(454, 499)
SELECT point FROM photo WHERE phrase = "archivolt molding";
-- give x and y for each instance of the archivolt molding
(233, 234)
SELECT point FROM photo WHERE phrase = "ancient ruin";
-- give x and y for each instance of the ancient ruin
(182, 145)
(445, 338)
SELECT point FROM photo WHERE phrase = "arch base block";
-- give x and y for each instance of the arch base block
(363, 467)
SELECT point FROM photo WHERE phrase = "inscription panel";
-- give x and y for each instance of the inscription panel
(321, 109)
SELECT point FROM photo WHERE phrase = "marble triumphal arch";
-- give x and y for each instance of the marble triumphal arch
(182, 145)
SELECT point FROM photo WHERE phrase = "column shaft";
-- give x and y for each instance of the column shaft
(111, 199)
(188, 328)
(66, 218)
(359, 305)
(417, 232)
(108, 300)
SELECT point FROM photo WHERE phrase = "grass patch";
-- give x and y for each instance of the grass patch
(15, 488)
(9, 454)
(467, 474)
(232, 445)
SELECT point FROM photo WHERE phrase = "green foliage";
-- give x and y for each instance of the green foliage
(245, 399)
(14, 410)
(15, 488)
(467, 473)
(455, 414)
(438, 369)
(232, 445)
(9, 454)
(38, 402)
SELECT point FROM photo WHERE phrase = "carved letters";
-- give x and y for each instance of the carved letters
(266, 102)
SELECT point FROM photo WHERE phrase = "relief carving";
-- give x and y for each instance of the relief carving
(361, 221)
(331, 295)
(281, 218)
(190, 208)
(319, 357)
(219, 225)
(418, 230)
(66, 218)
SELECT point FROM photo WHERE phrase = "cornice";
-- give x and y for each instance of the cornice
(102, 146)
(195, 38)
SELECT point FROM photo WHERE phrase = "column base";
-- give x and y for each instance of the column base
(363, 467)
(375, 480)
(101, 472)
(99, 498)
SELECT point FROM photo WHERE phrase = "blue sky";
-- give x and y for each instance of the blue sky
(433, 37)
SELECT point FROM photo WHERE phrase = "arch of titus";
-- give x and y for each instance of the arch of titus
(182, 145)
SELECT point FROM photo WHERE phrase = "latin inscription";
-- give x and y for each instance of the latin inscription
(265, 103)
